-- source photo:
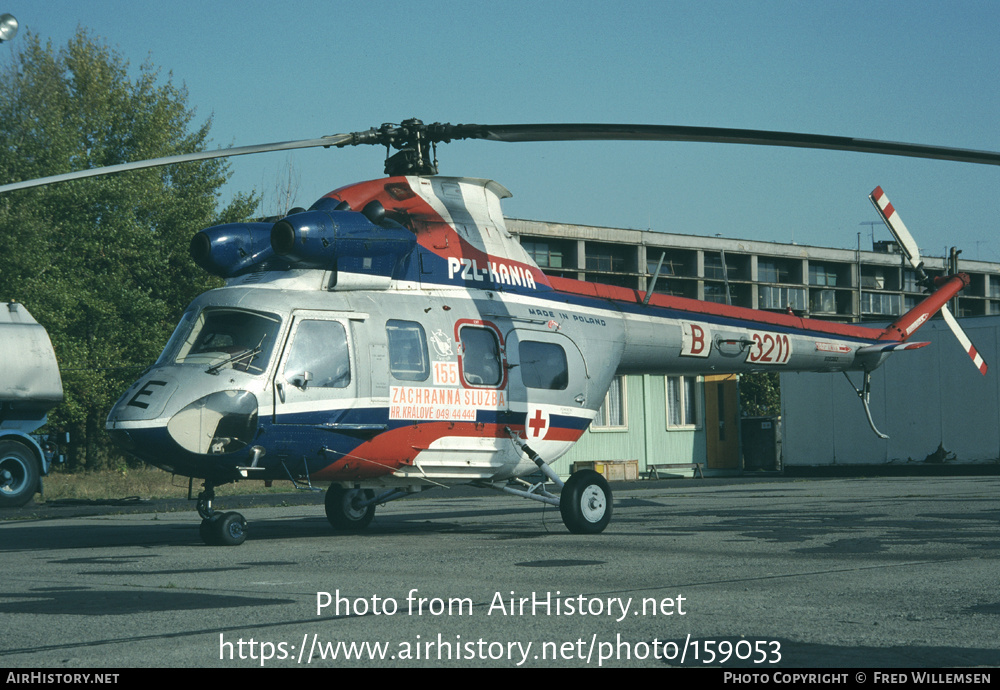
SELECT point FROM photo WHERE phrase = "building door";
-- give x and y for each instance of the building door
(722, 422)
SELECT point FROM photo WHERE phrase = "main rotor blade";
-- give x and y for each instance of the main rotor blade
(333, 140)
(413, 134)
(615, 132)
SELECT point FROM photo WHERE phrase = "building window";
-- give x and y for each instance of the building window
(713, 266)
(675, 262)
(545, 254)
(608, 257)
(612, 414)
(682, 402)
(715, 292)
(820, 274)
(880, 303)
(677, 288)
(782, 298)
(873, 279)
(736, 266)
(823, 302)
(621, 280)
(911, 283)
(775, 271)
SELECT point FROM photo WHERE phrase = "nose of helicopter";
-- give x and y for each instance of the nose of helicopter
(150, 421)
(145, 400)
(138, 415)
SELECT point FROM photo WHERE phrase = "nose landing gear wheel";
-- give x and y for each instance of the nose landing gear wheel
(586, 503)
(219, 529)
(224, 529)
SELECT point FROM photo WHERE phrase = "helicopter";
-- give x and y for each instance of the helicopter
(394, 337)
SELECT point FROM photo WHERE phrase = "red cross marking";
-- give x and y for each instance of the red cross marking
(537, 424)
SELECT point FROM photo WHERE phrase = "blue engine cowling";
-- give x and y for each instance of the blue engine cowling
(326, 238)
(340, 240)
(235, 248)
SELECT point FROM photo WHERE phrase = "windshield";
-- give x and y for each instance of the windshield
(221, 338)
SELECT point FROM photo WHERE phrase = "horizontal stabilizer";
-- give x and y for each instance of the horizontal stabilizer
(890, 347)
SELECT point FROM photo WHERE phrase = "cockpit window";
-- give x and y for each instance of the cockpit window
(319, 355)
(223, 338)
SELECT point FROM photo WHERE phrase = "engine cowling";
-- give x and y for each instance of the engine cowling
(342, 241)
(234, 248)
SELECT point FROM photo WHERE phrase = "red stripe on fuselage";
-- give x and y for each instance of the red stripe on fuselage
(398, 448)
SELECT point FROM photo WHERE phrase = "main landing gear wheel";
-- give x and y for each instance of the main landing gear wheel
(344, 509)
(19, 473)
(586, 503)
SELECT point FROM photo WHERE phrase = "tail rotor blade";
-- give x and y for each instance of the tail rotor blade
(970, 349)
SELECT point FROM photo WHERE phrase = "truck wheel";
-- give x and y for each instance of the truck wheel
(19, 474)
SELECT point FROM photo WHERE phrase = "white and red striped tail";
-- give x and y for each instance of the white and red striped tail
(912, 252)
(977, 359)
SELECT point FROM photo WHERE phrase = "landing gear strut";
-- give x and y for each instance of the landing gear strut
(219, 529)
(585, 501)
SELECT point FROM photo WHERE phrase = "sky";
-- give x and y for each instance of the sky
(920, 72)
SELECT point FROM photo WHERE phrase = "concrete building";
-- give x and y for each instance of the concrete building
(682, 420)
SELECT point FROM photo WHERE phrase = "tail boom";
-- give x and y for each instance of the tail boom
(908, 323)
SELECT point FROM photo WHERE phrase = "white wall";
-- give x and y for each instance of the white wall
(922, 399)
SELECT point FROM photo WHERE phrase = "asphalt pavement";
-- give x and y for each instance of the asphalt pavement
(759, 573)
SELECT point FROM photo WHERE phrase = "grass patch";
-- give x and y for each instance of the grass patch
(144, 482)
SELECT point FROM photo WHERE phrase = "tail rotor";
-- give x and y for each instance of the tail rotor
(912, 253)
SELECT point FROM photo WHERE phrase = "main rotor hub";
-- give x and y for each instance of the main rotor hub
(417, 153)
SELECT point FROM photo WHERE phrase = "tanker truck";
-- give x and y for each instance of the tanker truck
(30, 386)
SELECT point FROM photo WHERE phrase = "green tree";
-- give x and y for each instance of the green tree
(103, 262)
(760, 394)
